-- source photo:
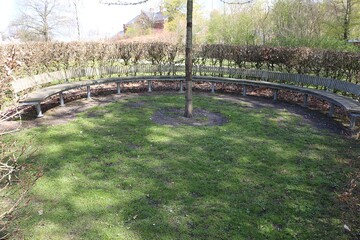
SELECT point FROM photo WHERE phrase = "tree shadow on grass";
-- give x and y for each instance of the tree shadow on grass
(120, 176)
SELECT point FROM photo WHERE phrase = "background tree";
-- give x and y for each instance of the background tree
(342, 18)
(143, 26)
(296, 20)
(39, 20)
(174, 9)
(245, 24)
(175, 26)
(293, 23)
(76, 4)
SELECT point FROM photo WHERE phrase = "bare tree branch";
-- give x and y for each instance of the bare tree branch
(124, 3)
(236, 2)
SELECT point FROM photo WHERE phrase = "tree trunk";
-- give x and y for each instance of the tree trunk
(347, 18)
(75, 2)
(46, 24)
(188, 61)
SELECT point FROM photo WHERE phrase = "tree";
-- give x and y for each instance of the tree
(188, 57)
(342, 17)
(245, 24)
(124, 3)
(39, 20)
(296, 19)
(188, 60)
(174, 8)
(76, 8)
(142, 26)
(175, 11)
(188, 53)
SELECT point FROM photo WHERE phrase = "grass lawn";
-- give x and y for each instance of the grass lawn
(115, 174)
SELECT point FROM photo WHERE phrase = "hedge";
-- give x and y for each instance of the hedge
(22, 60)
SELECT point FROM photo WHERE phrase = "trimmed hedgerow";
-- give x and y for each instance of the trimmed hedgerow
(34, 58)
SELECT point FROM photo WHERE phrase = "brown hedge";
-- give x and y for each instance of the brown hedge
(35, 58)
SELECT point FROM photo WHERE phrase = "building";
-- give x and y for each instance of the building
(147, 20)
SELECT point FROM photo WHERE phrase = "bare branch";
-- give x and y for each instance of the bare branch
(236, 2)
(36, 18)
(124, 3)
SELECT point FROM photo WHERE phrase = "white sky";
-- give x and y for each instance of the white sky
(97, 19)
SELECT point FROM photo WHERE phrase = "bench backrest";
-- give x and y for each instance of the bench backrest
(22, 84)
(179, 70)
(289, 78)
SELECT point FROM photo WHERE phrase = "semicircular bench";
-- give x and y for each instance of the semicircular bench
(351, 106)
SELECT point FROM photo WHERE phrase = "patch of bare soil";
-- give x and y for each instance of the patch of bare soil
(175, 117)
(55, 114)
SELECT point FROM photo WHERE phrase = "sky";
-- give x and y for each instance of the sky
(97, 19)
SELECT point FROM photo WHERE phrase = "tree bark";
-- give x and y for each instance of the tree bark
(46, 22)
(75, 2)
(188, 61)
(347, 18)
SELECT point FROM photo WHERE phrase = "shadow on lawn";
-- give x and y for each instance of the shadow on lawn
(117, 177)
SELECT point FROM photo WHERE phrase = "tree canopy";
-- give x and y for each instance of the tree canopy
(311, 23)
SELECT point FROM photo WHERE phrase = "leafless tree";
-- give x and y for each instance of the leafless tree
(39, 20)
(76, 7)
(121, 2)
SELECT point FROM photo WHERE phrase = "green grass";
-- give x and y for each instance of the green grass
(119, 175)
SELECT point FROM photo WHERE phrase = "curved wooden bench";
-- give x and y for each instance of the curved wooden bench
(351, 106)
(178, 70)
(37, 97)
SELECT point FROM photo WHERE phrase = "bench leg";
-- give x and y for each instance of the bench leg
(352, 122)
(149, 86)
(212, 87)
(275, 95)
(38, 110)
(305, 102)
(181, 87)
(244, 90)
(62, 103)
(331, 110)
(118, 89)
(88, 92)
